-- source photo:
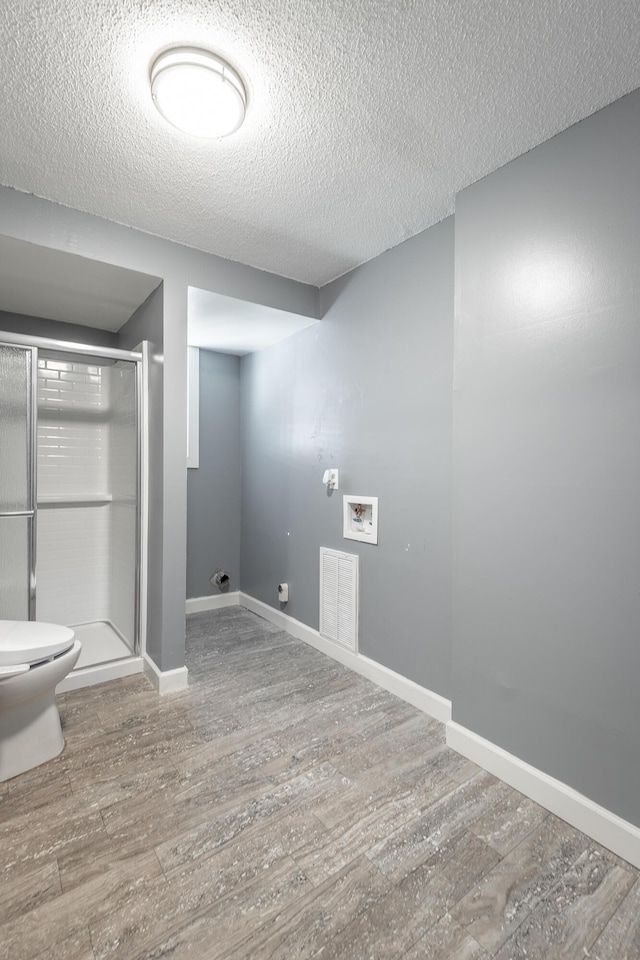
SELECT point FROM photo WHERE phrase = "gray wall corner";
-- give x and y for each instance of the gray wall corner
(367, 390)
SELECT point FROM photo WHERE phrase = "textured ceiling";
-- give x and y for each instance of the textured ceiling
(365, 117)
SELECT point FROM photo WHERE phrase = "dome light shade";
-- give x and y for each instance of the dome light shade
(198, 92)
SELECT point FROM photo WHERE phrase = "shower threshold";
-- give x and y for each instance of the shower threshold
(101, 643)
(105, 655)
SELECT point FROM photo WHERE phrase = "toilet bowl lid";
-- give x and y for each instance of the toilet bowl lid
(23, 641)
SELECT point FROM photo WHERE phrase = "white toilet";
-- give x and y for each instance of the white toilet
(34, 658)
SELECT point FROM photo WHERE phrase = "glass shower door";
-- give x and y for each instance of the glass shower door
(18, 367)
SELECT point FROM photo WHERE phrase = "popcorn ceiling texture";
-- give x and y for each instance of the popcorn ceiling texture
(365, 117)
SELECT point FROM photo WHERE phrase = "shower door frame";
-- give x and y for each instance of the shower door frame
(106, 353)
(6, 340)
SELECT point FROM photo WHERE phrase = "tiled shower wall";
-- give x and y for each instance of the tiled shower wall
(86, 449)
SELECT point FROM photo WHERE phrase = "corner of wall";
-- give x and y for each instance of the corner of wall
(165, 681)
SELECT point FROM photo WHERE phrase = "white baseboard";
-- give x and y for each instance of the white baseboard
(198, 604)
(597, 822)
(165, 681)
(430, 703)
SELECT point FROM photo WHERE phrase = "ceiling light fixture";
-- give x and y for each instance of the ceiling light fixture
(198, 92)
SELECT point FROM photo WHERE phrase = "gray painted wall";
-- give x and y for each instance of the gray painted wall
(546, 656)
(55, 330)
(147, 324)
(30, 218)
(213, 489)
(367, 390)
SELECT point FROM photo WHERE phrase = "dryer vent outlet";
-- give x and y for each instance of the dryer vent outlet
(220, 579)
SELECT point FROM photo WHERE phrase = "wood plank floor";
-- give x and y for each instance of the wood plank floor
(284, 807)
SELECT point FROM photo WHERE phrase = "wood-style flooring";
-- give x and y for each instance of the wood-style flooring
(284, 807)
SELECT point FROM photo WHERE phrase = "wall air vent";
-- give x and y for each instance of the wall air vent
(339, 597)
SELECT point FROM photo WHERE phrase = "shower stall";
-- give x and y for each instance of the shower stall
(71, 497)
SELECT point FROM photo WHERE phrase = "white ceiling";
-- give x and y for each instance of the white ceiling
(365, 117)
(235, 326)
(41, 282)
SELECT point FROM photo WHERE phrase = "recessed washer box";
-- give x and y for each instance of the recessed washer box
(360, 518)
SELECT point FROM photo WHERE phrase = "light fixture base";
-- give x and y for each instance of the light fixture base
(198, 92)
